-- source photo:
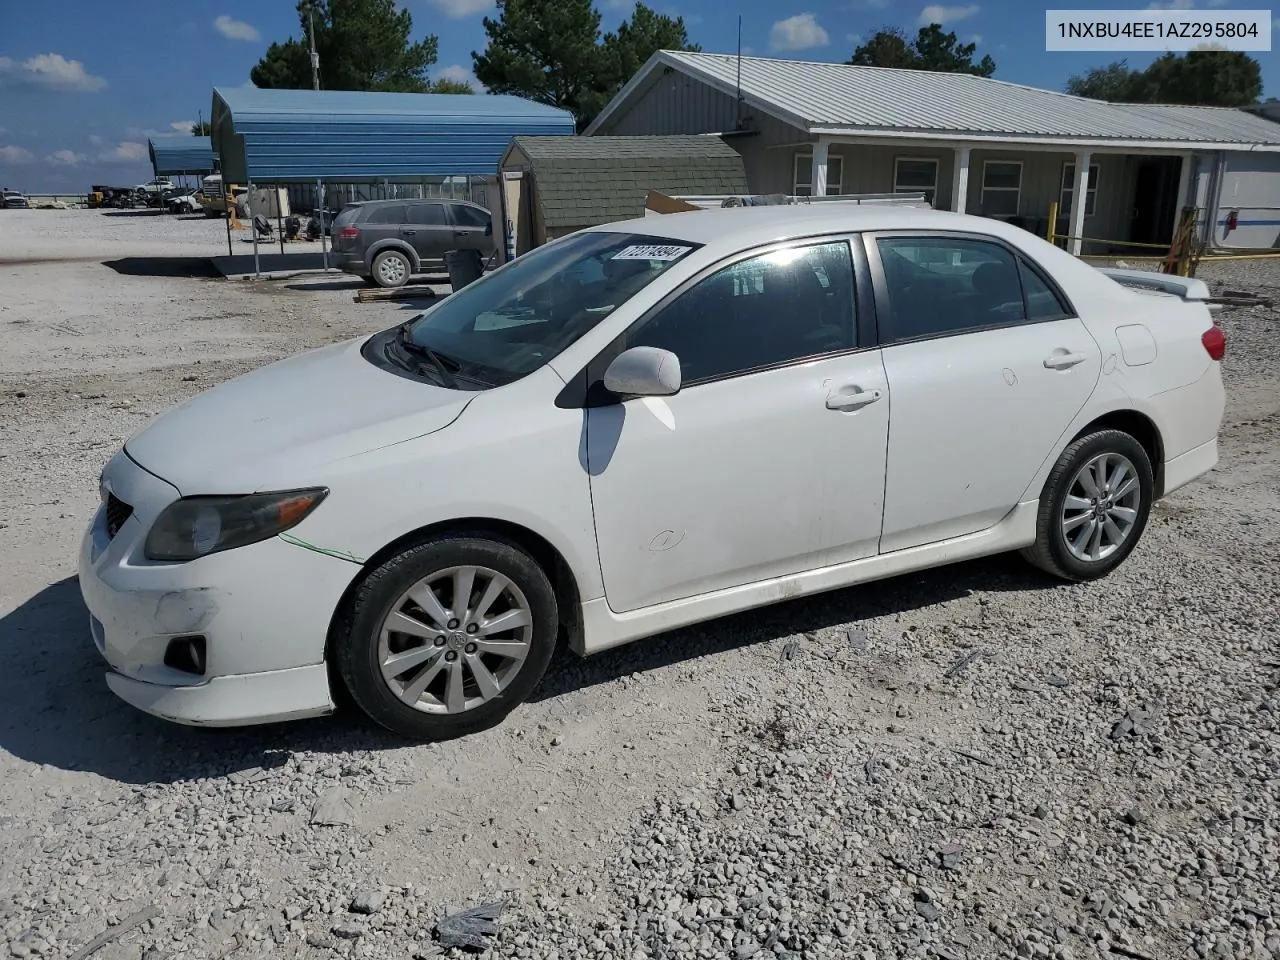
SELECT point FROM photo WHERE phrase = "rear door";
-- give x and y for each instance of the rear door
(428, 229)
(987, 366)
(347, 218)
(472, 228)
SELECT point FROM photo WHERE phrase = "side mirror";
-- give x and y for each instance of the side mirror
(644, 372)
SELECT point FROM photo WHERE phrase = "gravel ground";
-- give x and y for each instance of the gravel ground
(968, 763)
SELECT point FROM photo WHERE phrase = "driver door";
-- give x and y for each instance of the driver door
(770, 460)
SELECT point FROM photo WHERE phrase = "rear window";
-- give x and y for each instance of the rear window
(347, 216)
(393, 213)
(466, 216)
(431, 214)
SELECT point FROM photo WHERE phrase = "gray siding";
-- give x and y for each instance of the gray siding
(1251, 186)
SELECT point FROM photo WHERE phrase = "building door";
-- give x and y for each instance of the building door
(1155, 198)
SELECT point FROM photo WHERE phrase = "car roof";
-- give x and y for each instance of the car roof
(383, 203)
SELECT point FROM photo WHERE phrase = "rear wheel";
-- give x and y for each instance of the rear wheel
(391, 268)
(448, 637)
(1094, 507)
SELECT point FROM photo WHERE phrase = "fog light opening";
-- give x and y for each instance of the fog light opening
(186, 654)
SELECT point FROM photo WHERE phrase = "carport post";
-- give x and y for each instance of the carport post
(324, 250)
(960, 179)
(818, 173)
(226, 216)
(1079, 200)
(253, 229)
(279, 217)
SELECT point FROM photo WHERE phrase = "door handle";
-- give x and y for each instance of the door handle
(1064, 361)
(409, 233)
(851, 398)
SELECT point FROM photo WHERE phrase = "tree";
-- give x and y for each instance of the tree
(363, 45)
(445, 85)
(931, 50)
(552, 51)
(201, 129)
(1218, 78)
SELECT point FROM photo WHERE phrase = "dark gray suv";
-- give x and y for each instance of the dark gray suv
(387, 241)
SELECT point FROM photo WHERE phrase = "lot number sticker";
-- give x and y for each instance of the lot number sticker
(650, 252)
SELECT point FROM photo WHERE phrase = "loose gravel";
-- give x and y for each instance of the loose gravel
(972, 762)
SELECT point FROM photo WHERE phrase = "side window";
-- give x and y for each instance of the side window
(938, 285)
(466, 216)
(428, 214)
(387, 215)
(1042, 302)
(781, 306)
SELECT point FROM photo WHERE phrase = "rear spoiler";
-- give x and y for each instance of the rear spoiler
(1185, 288)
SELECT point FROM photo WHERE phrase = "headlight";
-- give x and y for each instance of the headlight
(197, 526)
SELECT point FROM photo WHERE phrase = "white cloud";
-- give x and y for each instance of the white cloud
(51, 71)
(460, 74)
(125, 150)
(15, 155)
(65, 158)
(940, 13)
(95, 139)
(974, 38)
(748, 51)
(456, 9)
(800, 32)
(234, 29)
(182, 126)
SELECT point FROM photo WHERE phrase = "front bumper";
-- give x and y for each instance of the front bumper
(263, 610)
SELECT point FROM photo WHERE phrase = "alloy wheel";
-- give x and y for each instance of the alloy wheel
(1101, 507)
(455, 639)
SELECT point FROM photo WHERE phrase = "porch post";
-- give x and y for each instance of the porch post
(1079, 200)
(818, 175)
(1184, 187)
(960, 179)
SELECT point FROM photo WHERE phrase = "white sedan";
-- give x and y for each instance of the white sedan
(637, 427)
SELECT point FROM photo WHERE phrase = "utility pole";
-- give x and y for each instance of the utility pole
(311, 36)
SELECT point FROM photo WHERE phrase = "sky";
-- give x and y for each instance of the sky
(84, 84)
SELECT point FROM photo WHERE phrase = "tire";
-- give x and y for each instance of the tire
(504, 579)
(1072, 543)
(391, 268)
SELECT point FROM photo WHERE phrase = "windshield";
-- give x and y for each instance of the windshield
(513, 321)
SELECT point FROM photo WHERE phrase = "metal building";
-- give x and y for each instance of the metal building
(181, 156)
(972, 144)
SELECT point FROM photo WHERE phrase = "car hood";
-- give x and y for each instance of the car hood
(277, 427)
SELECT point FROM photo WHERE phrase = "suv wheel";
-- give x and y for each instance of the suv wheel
(391, 268)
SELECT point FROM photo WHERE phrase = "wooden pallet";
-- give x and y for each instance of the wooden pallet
(410, 292)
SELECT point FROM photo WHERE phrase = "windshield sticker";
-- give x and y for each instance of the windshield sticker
(650, 252)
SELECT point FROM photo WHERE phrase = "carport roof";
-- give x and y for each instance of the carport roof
(181, 155)
(279, 136)
(838, 99)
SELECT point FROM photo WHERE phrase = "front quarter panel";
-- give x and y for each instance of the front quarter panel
(512, 456)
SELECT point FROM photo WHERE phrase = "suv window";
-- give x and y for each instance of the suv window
(781, 306)
(466, 216)
(393, 213)
(1042, 302)
(430, 214)
(943, 285)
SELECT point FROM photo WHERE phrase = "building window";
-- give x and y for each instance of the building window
(1001, 187)
(1069, 189)
(916, 175)
(803, 175)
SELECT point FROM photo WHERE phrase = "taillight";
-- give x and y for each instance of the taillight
(1215, 342)
(349, 233)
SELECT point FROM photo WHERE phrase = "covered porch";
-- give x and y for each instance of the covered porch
(1130, 196)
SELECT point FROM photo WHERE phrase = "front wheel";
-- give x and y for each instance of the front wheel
(1094, 507)
(448, 637)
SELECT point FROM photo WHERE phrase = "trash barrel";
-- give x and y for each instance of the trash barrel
(464, 266)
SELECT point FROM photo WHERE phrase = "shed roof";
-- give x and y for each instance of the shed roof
(584, 181)
(179, 155)
(836, 98)
(277, 136)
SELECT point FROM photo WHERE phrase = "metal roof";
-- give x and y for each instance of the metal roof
(178, 155)
(278, 136)
(838, 98)
(583, 181)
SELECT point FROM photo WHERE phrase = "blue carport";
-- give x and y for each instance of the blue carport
(312, 136)
(181, 156)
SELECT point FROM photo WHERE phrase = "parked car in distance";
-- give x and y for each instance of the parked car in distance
(633, 428)
(388, 241)
(13, 200)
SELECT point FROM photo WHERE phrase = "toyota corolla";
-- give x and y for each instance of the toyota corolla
(630, 429)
